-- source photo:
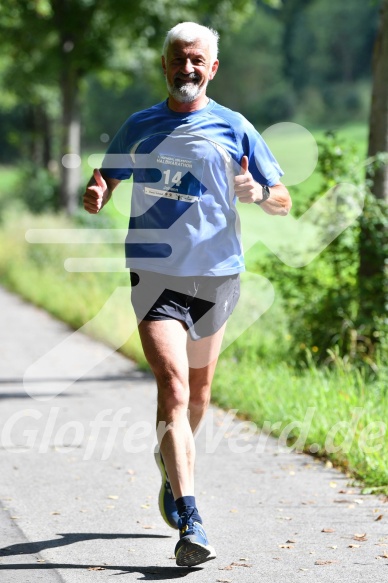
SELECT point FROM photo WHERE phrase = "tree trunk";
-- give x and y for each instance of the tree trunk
(378, 122)
(373, 238)
(71, 142)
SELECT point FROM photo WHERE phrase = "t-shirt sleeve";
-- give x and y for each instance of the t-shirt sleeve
(262, 163)
(117, 162)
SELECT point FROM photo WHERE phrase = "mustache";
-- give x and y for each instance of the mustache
(188, 77)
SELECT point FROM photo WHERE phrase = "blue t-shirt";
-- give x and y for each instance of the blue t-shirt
(184, 219)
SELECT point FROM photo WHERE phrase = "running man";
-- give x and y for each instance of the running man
(192, 162)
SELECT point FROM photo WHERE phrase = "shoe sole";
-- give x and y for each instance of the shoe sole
(191, 554)
(162, 470)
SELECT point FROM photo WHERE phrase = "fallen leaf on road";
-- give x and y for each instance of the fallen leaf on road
(327, 530)
(148, 526)
(224, 580)
(333, 484)
(233, 510)
(55, 513)
(96, 569)
(360, 537)
(332, 547)
(291, 541)
(227, 568)
(230, 567)
(286, 546)
(113, 497)
(379, 517)
(384, 555)
(324, 562)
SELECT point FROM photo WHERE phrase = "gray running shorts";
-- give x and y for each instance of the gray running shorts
(202, 303)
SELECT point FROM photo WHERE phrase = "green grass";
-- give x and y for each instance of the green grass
(37, 272)
(335, 411)
(254, 374)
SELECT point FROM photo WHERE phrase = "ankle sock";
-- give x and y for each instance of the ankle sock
(186, 504)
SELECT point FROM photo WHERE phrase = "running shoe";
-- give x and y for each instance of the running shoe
(167, 504)
(193, 547)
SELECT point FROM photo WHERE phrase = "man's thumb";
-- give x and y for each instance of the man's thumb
(244, 165)
(98, 178)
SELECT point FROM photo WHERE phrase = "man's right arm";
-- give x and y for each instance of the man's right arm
(98, 192)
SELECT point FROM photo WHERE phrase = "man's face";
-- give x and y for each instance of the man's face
(188, 68)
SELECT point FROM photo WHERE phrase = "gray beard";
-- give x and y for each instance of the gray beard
(186, 93)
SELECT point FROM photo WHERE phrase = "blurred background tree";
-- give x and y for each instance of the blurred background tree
(57, 44)
(373, 245)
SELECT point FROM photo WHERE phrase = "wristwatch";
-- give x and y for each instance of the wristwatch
(265, 194)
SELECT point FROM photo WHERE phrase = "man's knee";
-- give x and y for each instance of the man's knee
(199, 396)
(173, 395)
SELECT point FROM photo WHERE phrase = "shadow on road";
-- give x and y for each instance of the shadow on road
(150, 573)
(31, 548)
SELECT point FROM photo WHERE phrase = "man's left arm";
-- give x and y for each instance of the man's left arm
(279, 200)
(249, 191)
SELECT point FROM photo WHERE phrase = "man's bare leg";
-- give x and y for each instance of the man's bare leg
(180, 388)
(164, 345)
(203, 357)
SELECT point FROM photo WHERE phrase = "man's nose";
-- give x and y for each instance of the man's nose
(187, 67)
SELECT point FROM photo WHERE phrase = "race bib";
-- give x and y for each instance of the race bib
(180, 178)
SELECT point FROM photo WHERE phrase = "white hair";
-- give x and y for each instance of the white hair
(190, 32)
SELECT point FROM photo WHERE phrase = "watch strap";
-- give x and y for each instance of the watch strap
(265, 193)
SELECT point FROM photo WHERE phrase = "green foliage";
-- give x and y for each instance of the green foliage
(322, 298)
(331, 42)
(253, 59)
(37, 188)
(37, 272)
(327, 49)
(336, 409)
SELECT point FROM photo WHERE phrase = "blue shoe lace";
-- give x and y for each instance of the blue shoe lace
(189, 526)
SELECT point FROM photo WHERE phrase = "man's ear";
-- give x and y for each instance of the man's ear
(164, 65)
(214, 70)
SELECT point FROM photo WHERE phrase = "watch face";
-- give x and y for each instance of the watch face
(266, 192)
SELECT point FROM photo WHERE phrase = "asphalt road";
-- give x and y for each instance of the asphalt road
(79, 487)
